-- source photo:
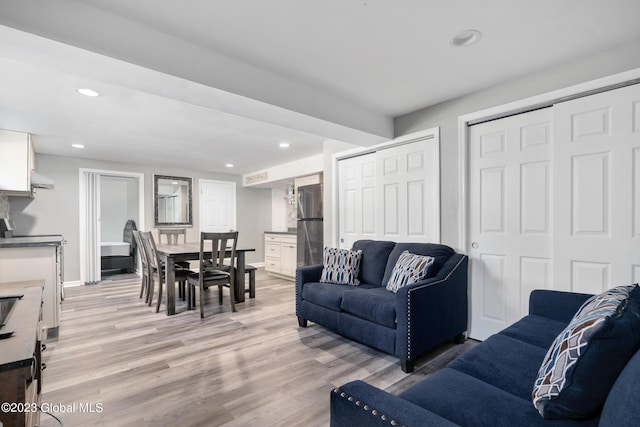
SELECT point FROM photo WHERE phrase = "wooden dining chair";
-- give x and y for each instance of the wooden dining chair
(157, 272)
(172, 236)
(213, 271)
(145, 276)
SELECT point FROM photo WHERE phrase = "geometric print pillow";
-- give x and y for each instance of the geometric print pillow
(410, 268)
(586, 358)
(341, 266)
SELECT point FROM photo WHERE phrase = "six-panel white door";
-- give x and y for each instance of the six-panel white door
(357, 199)
(509, 222)
(217, 205)
(391, 194)
(554, 203)
(597, 191)
(408, 192)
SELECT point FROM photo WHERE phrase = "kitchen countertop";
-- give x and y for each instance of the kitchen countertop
(281, 232)
(28, 241)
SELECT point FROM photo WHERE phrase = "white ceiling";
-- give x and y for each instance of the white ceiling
(200, 83)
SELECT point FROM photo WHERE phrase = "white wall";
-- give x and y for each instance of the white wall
(445, 115)
(57, 211)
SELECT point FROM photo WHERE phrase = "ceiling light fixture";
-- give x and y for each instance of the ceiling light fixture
(77, 145)
(228, 165)
(87, 92)
(284, 145)
(466, 38)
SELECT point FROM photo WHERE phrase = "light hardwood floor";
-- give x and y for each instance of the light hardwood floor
(255, 367)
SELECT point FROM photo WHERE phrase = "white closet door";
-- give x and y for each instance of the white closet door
(391, 194)
(357, 199)
(409, 193)
(509, 220)
(597, 191)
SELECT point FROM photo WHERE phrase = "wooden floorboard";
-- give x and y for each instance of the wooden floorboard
(248, 368)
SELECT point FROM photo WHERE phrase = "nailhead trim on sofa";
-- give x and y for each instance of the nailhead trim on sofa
(366, 407)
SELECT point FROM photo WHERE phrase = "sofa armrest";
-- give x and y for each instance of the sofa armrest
(432, 311)
(306, 274)
(360, 404)
(556, 305)
(309, 273)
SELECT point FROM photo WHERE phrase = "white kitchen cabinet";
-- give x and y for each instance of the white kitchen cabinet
(280, 254)
(16, 163)
(24, 259)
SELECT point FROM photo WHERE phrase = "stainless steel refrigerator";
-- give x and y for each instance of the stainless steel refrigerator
(310, 243)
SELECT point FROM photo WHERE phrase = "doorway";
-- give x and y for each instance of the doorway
(107, 200)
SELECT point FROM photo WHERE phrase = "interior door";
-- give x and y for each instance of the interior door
(391, 194)
(408, 191)
(509, 221)
(217, 205)
(357, 199)
(597, 202)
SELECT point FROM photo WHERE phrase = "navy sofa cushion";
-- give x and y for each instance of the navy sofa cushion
(441, 253)
(377, 305)
(588, 355)
(374, 260)
(328, 295)
(468, 401)
(504, 362)
(536, 330)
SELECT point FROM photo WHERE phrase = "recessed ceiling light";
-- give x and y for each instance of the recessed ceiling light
(284, 145)
(466, 38)
(228, 165)
(77, 145)
(87, 92)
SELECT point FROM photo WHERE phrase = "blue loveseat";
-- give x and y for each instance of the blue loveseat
(491, 384)
(408, 323)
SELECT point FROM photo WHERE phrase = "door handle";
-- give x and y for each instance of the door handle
(475, 245)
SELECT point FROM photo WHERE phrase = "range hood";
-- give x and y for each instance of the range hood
(41, 181)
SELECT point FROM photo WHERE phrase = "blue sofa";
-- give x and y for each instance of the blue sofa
(408, 323)
(491, 384)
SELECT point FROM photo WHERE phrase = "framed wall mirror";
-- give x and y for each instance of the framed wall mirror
(172, 200)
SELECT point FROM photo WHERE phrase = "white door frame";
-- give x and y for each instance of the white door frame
(519, 106)
(83, 202)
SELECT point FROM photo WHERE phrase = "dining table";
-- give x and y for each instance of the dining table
(190, 251)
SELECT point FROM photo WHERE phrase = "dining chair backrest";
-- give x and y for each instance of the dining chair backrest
(172, 235)
(220, 244)
(150, 247)
(144, 261)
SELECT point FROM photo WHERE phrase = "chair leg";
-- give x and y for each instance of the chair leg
(159, 295)
(252, 284)
(151, 287)
(232, 295)
(201, 302)
(141, 286)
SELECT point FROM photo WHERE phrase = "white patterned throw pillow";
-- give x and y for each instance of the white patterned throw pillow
(341, 266)
(410, 268)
